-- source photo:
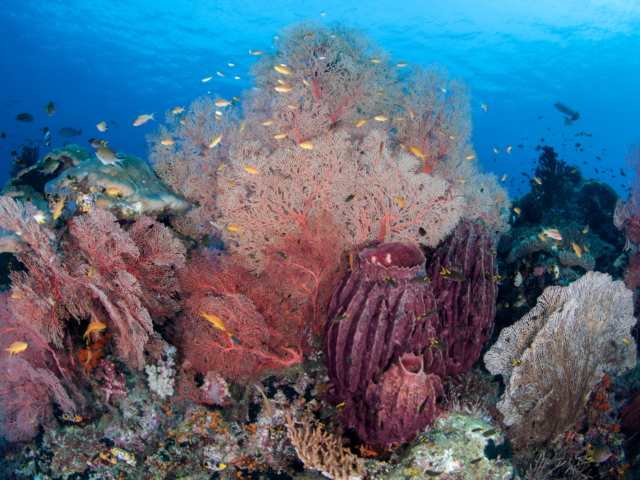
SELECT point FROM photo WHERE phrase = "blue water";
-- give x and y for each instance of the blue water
(114, 60)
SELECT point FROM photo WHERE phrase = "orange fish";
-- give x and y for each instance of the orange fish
(577, 249)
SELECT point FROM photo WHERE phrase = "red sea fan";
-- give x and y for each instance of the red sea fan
(30, 380)
(98, 271)
(251, 341)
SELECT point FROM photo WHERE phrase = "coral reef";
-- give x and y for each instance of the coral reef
(553, 358)
(127, 190)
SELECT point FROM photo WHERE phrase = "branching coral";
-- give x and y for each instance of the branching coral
(321, 451)
(553, 357)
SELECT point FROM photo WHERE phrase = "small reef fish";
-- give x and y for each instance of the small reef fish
(255, 52)
(599, 453)
(217, 321)
(490, 433)
(280, 135)
(456, 267)
(123, 455)
(471, 156)
(390, 281)
(266, 402)
(57, 210)
(496, 149)
(69, 132)
(234, 228)
(49, 167)
(577, 249)
(215, 141)
(509, 149)
(50, 108)
(420, 281)
(417, 151)
(504, 177)
(381, 118)
(114, 191)
(433, 473)
(177, 110)
(283, 88)
(223, 103)
(400, 201)
(490, 251)
(266, 123)
(340, 317)
(142, 119)
(497, 198)
(307, 145)
(282, 255)
(517, 210)
(552, 233)
(102, 126)
(206, 79)
(40, 217)
(16, 347)
(282, 69)
(71, 418)
(94, 327)
(476, 460)
(430, 313)
(242, 125)
(455, 276)
(485, 107)
(518, 279)
(95, 143)
(292, 106)
(361, 122)
(253, 171)
(24, 117)
(585, 229)
(537, 180)
(234, 339)
(402, 64)
(107, 156)
(168, 141)
(293, 310)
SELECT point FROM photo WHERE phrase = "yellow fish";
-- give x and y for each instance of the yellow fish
(221, 166)
(381, 118)
(168, 141)
(417, 151)
(16, 347)
(509, 149)
(292, 106)
(497, 198)
(177, 110)
(351, 261)
(307, 145)
(266, 123)
(253, 171)
(223, 103)
(282, 69)
(586, 248)
(537, 180)
(283, 88)
(471, 156)
(142, 119)
(577, 249)
(412, 113)
(57, 210)
(215, 141)
(94, 327)
(462, 180)
(242, 125)
(231, 182)
(517, 210)
(585, 229)
(281, 135)
(234, 228)
(102, 126)
(400, 201)
(217, 321)
(183, 121)
(113, 191)
(504, 177)
(361, 122)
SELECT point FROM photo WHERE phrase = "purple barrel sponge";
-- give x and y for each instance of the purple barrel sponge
(404, 401)
(388, 308)
(466, 309)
